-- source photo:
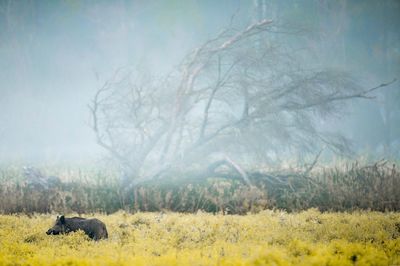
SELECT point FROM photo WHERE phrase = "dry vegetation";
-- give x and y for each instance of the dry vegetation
(349, 187)
(166, 236)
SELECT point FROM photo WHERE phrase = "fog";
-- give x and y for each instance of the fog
(55, 55)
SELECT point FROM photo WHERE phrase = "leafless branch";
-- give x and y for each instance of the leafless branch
(232, 95)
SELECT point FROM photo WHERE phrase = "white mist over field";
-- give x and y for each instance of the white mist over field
(55, 55)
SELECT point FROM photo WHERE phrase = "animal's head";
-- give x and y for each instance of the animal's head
(59, 227)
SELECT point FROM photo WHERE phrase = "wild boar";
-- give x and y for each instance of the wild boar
(94, 228)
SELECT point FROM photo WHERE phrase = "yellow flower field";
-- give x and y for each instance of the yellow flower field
(267, 238)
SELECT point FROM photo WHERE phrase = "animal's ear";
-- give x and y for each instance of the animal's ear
(62, 219)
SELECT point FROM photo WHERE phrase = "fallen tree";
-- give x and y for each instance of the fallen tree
(239, 97)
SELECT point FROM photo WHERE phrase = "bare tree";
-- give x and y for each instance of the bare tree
(129, 118)
(238, 95)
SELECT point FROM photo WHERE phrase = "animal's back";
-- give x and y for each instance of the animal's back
(94, 228)
(99, 229)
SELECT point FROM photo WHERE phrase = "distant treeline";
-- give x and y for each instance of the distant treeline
(351, 187)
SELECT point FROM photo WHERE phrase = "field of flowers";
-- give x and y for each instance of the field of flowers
(266, 238)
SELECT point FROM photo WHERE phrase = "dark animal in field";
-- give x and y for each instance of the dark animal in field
(94, 228)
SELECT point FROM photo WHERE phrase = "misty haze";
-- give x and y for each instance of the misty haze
(270, 128)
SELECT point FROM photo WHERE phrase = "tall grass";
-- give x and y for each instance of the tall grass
(84, 190)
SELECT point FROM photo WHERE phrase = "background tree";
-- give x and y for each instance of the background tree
(244, 96)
